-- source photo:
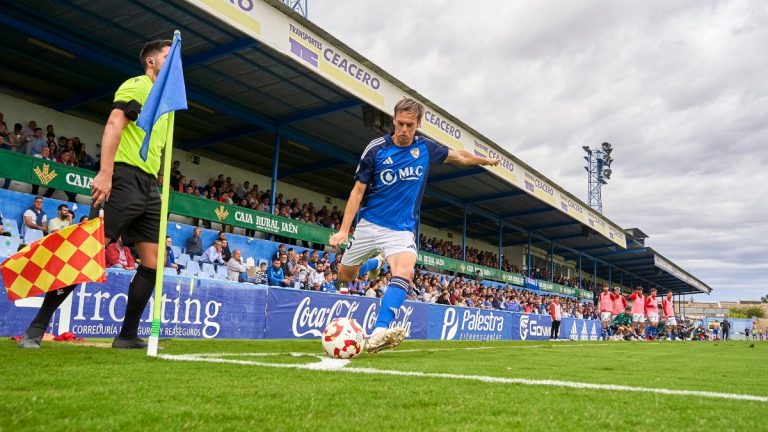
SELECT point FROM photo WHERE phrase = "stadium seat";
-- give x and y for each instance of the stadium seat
(193, 268)
(184, 272)
(183, 259)
(11, 226)
(169, 271)
(176, 251)
(222, 270)
(204, 275)
(32, 235)
(8, 246)
(197, 258)
(208, 268)
(219, 276)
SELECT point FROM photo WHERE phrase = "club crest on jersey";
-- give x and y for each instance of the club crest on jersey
(415, 153)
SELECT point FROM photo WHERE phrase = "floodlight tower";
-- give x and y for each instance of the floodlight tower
(599, 172)
(298, 6)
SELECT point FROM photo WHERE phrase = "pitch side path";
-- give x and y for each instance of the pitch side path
(288, 385)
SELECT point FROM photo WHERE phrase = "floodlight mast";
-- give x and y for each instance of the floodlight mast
(599, 171)
(298, 6)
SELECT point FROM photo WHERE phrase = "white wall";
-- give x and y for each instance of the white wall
(20, 111)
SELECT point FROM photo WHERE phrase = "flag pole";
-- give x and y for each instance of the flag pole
(154, 336)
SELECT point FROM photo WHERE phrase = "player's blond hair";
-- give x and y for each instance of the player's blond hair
(411, 106)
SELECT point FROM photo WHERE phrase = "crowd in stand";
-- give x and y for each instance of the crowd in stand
(32, 140)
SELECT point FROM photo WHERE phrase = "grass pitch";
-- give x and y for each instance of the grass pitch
(66, 387)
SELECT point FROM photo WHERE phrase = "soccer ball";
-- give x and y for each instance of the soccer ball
(343, 338)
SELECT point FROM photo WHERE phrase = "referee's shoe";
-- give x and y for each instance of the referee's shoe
(129, 343)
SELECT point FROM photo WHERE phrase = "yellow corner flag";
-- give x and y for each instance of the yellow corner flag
(72, 255)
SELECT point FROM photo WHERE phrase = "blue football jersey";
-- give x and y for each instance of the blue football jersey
(396, 177)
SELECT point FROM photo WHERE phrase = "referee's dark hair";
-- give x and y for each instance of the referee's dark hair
(152, 48)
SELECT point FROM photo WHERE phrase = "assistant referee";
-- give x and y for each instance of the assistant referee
(126, 185)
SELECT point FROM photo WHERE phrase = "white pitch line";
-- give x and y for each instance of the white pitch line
(494, 348)
(339, 367)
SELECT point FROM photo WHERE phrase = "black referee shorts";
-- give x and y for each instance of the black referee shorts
(133, 210)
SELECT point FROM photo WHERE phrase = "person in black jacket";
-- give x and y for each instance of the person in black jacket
(195, 244)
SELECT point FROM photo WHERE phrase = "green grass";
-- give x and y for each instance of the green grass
(66, 387)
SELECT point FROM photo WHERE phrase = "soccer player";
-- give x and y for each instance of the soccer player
(393, 171)
(652, 312)
(668, 307)
(606, 306)
(619, 303)
(622, 325)
(638, 309)
(126, 185)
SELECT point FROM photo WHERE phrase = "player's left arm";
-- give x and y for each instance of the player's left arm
(463, 157)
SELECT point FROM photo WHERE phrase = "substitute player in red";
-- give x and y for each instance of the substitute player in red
(668, 307)
(618, 302)
(606, 307)
(652, 312)
(638, 310)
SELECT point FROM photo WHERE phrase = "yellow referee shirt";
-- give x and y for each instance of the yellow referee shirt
(137, 88)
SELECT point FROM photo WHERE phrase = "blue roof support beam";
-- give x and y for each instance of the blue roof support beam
(189, 63)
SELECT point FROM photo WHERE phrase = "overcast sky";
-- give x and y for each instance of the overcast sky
(680, 88)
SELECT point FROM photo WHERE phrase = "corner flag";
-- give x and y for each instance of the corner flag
(72, 255)
(168, 94)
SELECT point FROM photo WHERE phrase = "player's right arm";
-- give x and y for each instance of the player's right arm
(353, 205)
(110, 141)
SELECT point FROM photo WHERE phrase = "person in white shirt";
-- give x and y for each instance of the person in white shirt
(212, 255)
(35, 220)
(236, 270)
(317, 277)
(61, 221)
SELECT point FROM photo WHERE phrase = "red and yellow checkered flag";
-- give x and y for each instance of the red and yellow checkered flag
(72, 255)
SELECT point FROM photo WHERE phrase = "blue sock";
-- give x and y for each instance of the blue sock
(367, 266)
(395, 296)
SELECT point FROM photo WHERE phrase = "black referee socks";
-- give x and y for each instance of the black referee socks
(139, 292)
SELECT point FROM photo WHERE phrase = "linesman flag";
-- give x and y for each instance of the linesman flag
(168, 94)
(72, 255)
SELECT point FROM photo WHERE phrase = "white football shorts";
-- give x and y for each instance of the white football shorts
(371, 239)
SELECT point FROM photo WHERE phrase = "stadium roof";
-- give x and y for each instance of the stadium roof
(244, 90)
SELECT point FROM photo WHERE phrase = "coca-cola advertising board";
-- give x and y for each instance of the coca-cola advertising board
(304, 314)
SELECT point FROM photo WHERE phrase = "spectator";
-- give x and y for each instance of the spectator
(316, 277)
(36, 142)
(35, 219)
(328, 285)
(226, 254)
(195, 244)
(276, 276)
(261, 274)
(281, 250)
(236, 270)
(119, 256)
(170, 257)
(62, 220)
(212, 255)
